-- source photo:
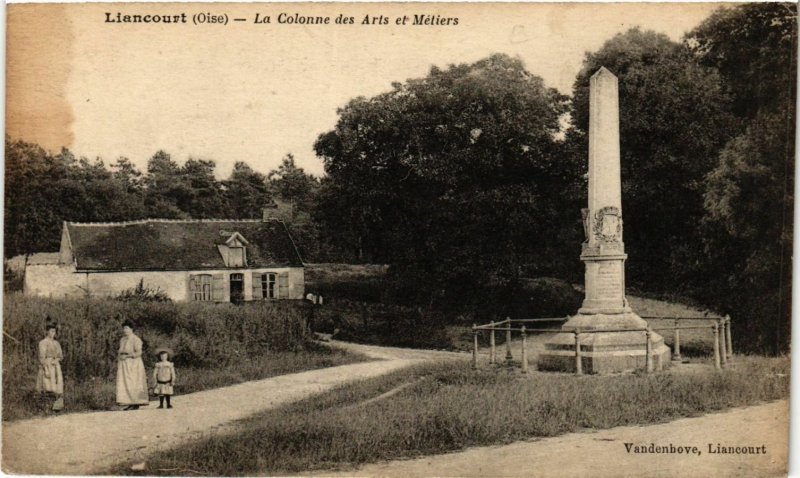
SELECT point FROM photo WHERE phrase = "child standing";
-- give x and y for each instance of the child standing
(164, 377)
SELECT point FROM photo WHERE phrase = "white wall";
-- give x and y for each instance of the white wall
(172, 283)
(297, 283)
(59, 281)
(53, 281)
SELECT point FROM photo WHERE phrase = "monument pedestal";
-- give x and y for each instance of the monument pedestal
(604, 352)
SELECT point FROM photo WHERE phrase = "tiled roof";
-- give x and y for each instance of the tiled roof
(160, 244)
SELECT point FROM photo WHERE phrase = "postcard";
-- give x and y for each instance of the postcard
(398, 239)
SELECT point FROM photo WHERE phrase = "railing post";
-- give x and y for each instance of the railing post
(728, 332)
(524, 350)
(492, 349)
(474, 347)
(509, 357)
(676, 354)
(578, 359)
(723, 348)
(716, 346)
(648, 350)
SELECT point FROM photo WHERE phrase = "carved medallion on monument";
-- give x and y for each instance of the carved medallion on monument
(608, 224)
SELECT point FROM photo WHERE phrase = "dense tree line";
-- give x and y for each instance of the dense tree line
(749, 196)
(43, 190)
(472, 178)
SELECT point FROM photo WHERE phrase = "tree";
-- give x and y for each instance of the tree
(674, 119)
(165, 190)
(291, 183)
(453, 178)
(754, 48)
(749, 199)
(205, 198)
(30, 224)
(246, 192)
(128, 175)
(90, 192)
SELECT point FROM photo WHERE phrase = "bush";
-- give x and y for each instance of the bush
(13, 279)
(142, 293)
(544, 297)
(383, 324)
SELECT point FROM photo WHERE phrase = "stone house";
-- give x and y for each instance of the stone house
(189, 260)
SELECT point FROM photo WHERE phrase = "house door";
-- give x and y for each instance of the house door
(237, 288)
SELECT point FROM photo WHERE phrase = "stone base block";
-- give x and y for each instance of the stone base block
(604, 352)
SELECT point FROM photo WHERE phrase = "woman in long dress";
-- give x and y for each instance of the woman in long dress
(131, 378)
(49, 378)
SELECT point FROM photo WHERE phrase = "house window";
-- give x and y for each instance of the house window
(201, 287)
(268, 286)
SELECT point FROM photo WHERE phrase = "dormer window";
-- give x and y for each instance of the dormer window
(234, 251)
(236, 257)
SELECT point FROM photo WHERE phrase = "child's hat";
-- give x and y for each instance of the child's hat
(164, 349)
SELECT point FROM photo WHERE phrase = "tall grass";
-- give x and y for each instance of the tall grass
(448, 407)
(214, 344)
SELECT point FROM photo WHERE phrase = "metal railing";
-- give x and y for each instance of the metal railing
(721, 328)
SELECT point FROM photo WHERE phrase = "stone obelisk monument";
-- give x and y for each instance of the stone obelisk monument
(605, 306)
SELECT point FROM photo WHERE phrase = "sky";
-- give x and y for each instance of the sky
(255, 92)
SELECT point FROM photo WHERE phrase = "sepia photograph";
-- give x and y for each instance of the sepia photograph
(398, 239)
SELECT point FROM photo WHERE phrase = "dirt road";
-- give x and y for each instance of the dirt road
(86, 443)
(603, 453)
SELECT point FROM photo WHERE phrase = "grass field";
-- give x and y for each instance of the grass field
(439, 408)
